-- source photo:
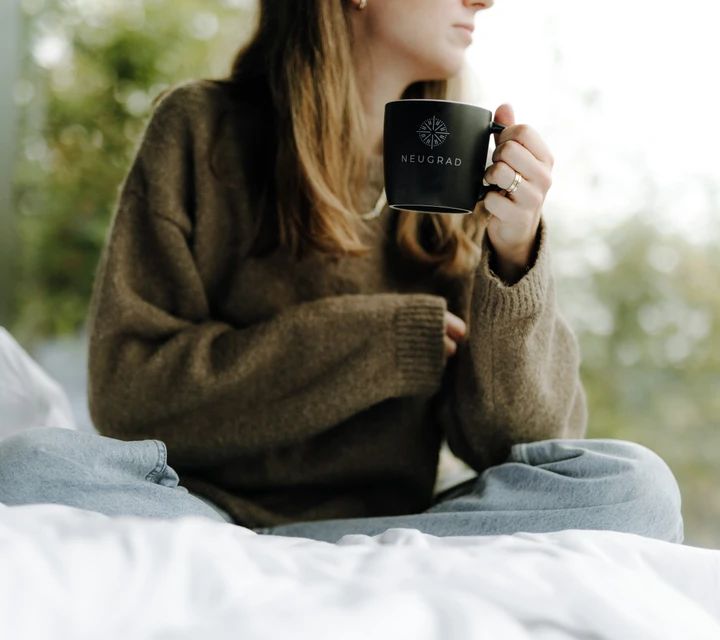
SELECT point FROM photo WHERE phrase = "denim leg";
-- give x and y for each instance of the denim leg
(95, 472)
(547, 485)
(555, 484)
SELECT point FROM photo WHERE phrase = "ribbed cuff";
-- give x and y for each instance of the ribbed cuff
(522, 299)
(419, 343)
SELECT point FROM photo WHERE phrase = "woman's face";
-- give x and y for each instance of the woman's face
(423, 36)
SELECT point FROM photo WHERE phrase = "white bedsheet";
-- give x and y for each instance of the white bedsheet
(75, 574)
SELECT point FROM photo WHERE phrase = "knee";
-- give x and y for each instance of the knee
(33, 442)
(652, 485)
(26, 456)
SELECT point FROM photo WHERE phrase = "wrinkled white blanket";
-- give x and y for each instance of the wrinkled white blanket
(71, 574)
(29, 396)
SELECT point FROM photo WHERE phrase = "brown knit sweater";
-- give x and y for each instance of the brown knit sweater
(302, 390)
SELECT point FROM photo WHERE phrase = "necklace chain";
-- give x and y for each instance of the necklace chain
(377, 209)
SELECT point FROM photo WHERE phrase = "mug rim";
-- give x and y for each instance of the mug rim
(439, 208)
(467, 104)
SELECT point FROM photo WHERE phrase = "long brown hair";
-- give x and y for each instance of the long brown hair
(304, 51)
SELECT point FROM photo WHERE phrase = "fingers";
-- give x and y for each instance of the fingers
(454, 326)
(455, 330)
(508, 159)
(526, 136)
(511, 156)
(502, 204)
(450, 347)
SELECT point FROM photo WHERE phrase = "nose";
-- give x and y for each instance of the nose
(480, 5)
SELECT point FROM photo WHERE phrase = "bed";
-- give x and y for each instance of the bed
(75, 574)
(68, 573)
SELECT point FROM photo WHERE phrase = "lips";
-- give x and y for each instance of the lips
(469, 27)
(466, 31)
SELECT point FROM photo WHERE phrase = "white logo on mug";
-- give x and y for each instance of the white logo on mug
(433, 132)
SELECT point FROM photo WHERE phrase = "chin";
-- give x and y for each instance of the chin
(449, 64)
(443, 64)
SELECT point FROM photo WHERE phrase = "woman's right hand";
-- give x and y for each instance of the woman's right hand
(455, 330)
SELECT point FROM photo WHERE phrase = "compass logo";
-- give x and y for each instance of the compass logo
(433, 132)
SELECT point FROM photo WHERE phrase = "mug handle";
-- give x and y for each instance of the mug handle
(495, 127)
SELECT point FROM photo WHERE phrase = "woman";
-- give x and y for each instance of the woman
(264, 329)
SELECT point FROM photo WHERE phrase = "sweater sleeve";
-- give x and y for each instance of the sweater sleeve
(515, 378)
(161, 366)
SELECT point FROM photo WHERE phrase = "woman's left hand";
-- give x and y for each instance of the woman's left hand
(514, 218)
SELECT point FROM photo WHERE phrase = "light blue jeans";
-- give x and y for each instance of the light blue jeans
(547, 485)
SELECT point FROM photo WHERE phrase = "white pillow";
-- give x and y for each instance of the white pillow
(29, 397)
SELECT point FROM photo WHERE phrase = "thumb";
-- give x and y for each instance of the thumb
(504, 115)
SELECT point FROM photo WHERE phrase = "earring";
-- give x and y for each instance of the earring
(361, 5)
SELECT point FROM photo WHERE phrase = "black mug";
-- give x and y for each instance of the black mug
(435, 155)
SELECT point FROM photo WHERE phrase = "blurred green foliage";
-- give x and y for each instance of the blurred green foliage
(92, 70)
(645, 306)
(648, 324)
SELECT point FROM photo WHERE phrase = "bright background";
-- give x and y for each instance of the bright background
(626, 98)
(623, 94)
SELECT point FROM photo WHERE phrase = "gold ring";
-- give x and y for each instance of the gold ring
(515, 184)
